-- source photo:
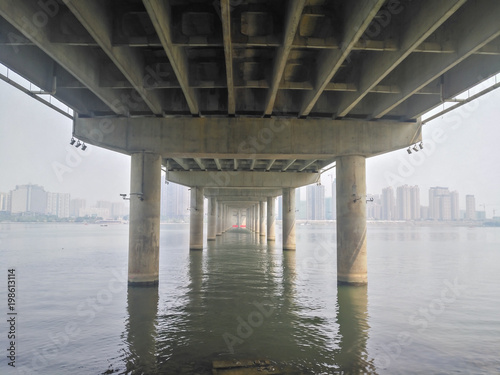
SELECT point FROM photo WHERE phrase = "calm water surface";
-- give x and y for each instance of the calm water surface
(432, 304)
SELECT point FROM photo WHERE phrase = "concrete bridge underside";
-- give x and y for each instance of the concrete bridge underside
(247, 100)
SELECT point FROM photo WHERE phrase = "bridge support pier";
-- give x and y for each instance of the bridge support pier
(212, 218)
(351, 220)
(144, 233)
(288, 219)
(219, 219)
(262, 218)
(256, 218)
(271, 219)
(196, 219)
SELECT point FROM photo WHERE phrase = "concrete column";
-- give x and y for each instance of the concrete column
(212, 218)
(288, 219)
(144, 230)
(351, 220)
(196, 219)
(256, 219)
(262, 218)
(252, 217)
(249, 219)
(219, 219)
(271, 219)
(226, 210)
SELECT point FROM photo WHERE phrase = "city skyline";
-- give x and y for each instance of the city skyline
(402, 203)
(459, 152)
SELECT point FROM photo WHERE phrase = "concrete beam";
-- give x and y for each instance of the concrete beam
(359, 17)
(217, 163)
(247, 138)
(293, 15)
(228, 53)
(182, 163)
(421, 69)
(240, 193)
(75, 60)
(160, 13)
(427, 16)
(467, 74)
(241, 179)
(270, 164)
(200, 163)
(96, 17)
(235, 201)
(288, 164)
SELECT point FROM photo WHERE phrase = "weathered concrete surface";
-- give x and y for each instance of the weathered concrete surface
(262, 217)
(248, 138)
(271, 219)
(196, 219)
(289, 219)
(242, 179)
(219, 218)
(212, 218)
(241, 193)
(144, 232)
(351, 220)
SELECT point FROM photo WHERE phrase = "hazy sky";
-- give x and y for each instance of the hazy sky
(461, 152)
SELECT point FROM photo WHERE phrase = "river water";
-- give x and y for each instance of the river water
(432, 304)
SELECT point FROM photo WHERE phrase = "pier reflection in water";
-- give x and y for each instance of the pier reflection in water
(242, 298)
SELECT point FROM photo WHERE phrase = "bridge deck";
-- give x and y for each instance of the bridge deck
(378, 59)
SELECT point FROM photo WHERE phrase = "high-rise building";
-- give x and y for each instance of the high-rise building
(455, 206)
(388, 204)
(3, 201)
(175, 202)
(104, 204)
(58, 204)
(415, 202)
(28, 198)
(408, 202)
(118, 210)
(75, 205)
(440, 204)
(403, 207)
(374, 208)
(315, 197)
(470, 207)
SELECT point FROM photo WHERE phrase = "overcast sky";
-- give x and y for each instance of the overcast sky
(461, 152)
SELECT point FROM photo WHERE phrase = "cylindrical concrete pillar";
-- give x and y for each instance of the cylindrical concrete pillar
(226, 213)
(262, 218)
(256, 219)
(219, 218)
(212, 218)
(144, 230)
(271, 219)
(288, 219)
(196, 219)
(351, 220)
